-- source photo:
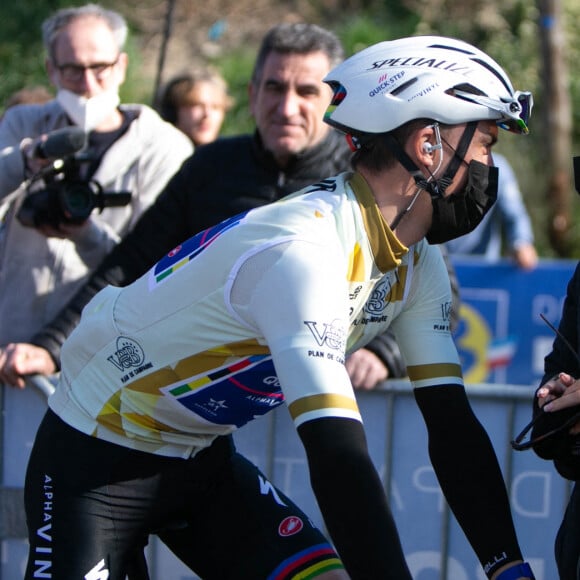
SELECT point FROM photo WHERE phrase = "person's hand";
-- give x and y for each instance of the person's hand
(20, 359)
(64, 230)
(365, 369)
(560, 392)
(526, 256)
(29, 148)
(554, 388)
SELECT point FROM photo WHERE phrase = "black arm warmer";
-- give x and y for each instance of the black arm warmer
(352, 500)
(469, 474)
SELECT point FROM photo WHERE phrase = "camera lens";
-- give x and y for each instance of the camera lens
(77, 201)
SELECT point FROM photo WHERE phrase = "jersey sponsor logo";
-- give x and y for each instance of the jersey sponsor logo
(386, 82)
(188, 250)
(446, 310)
(266, 488)
(324, 185)
(130, 357)
(99, 572)
(379, 298)
(331, 334)
(128, 354)
(232, 394)
(445, 317)
(355, 293)
(290, 526)
(43, 549)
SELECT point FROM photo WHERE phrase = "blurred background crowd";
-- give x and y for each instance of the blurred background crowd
(535, 40)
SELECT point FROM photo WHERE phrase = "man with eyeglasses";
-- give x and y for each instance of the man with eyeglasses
(47, 250)
(130, 154)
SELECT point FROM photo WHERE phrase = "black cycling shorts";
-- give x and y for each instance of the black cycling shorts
(91, 505)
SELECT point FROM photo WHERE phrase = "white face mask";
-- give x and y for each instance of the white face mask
(88, 113)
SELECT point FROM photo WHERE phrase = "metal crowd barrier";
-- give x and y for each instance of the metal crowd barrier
(398, 447)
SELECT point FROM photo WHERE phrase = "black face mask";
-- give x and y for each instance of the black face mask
(459, 213)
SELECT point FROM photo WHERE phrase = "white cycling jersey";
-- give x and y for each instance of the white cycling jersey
(259, 310)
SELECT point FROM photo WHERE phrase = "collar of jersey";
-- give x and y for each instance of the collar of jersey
(386, 248)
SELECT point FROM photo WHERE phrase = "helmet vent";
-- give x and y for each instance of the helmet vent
(448, 47)
(403, 87)
(465, 88)
(495, 72)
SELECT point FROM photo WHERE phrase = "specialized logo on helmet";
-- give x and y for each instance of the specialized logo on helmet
(411, 61)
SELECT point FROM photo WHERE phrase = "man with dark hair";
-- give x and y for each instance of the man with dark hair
(291, 147)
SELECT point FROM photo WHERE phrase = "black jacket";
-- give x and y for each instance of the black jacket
(221, 179)
(562, 447)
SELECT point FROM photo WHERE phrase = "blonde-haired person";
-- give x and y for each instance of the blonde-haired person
(196, 103)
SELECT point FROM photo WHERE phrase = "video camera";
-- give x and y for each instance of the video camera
(66, 197)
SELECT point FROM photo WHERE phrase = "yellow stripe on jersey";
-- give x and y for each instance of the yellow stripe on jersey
(434, 371)
(145, 391)
(319, 402)
(398, 290)
(113, 416)
(356, 264)
(197, 364)
(206, 361)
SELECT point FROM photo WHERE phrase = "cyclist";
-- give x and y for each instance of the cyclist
(260, 311)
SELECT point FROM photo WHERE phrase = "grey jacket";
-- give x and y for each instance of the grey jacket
(38, 275)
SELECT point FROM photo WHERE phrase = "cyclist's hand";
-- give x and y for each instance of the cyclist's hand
(365, 369)
(20, 359)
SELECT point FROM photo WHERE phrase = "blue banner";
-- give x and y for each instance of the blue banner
(501, 337)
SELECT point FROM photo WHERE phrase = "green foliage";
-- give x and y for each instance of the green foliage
(572, 50)
(366, 29)
(506, 29)
(21, 53)
(237, 69)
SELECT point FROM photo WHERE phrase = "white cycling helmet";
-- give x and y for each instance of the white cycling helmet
(432, 77)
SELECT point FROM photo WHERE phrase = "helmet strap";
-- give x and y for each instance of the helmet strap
(459, 154)
(435, 187)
